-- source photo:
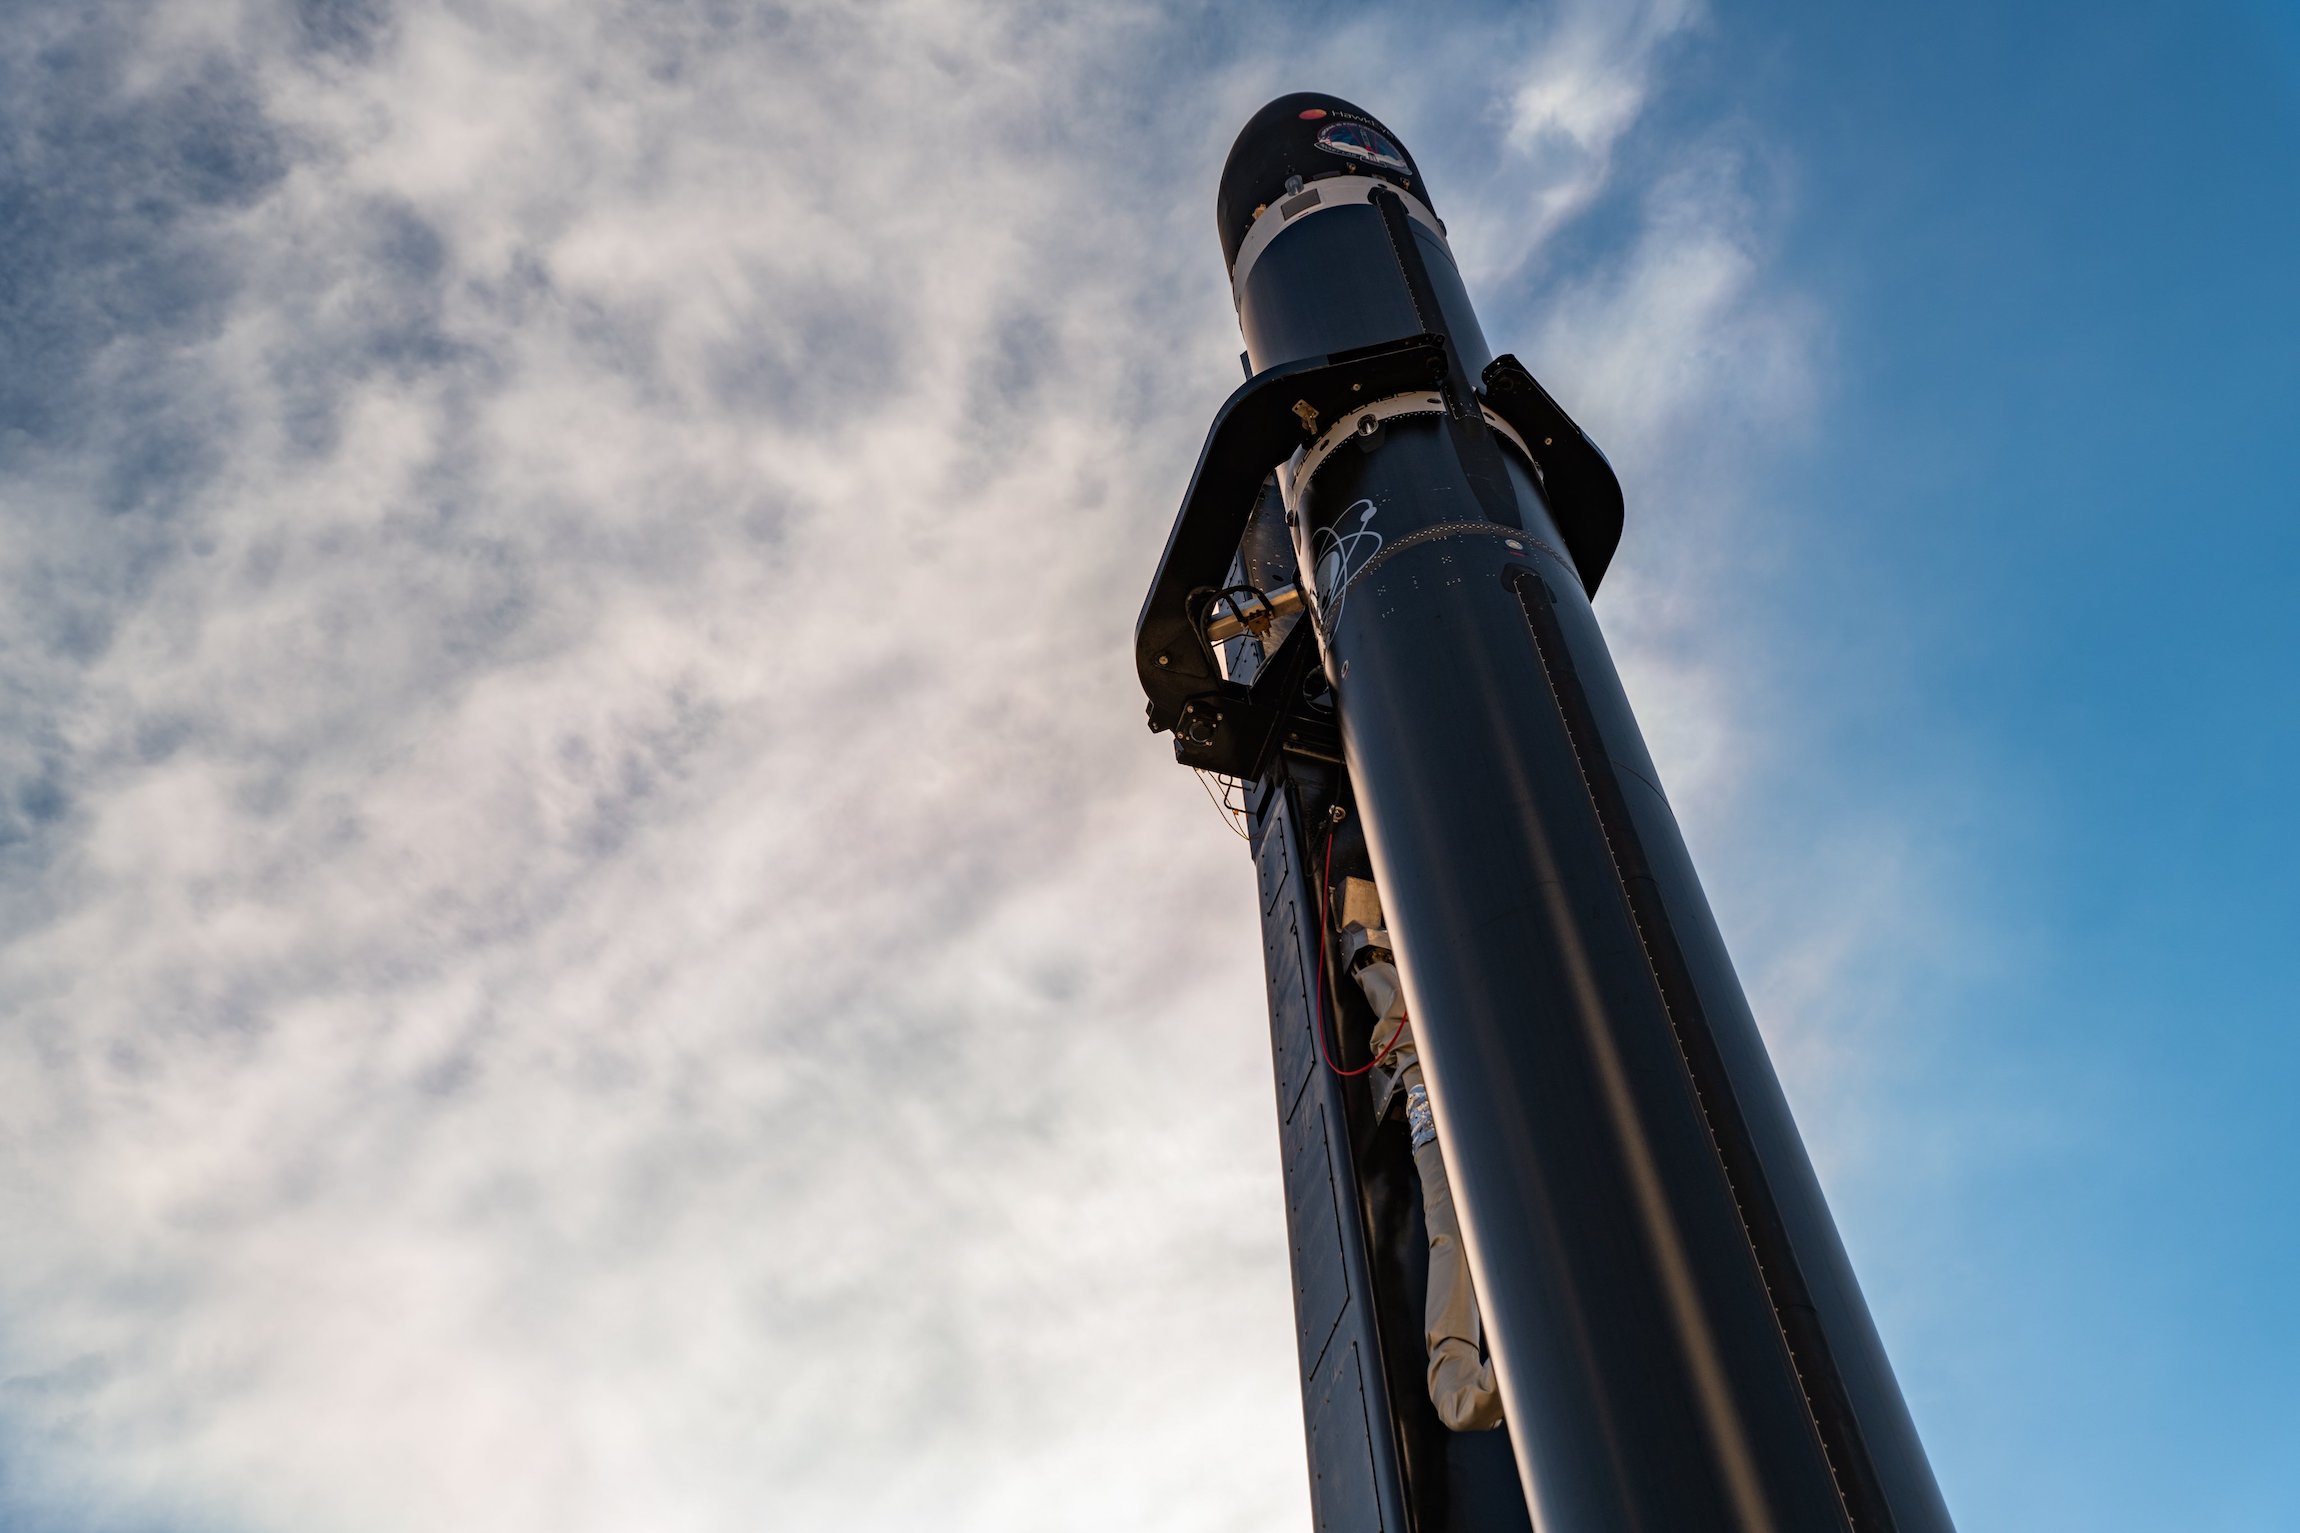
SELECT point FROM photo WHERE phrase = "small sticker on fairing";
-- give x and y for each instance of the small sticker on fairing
(1356, 141)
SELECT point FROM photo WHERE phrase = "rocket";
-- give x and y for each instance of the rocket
(1374, 615)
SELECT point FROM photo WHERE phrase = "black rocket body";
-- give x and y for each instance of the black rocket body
(1677, 1335)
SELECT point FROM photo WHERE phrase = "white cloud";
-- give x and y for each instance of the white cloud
(1589, 78)
(1590, 82)
(1693, 373)
(614, 953)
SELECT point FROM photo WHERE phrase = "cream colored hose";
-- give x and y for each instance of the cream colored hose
(1460, 1380)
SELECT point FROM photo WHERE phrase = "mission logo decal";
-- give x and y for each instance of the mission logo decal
(1356, 141)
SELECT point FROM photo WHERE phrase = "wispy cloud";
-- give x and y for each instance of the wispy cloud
(598, 941)
(1588, 77)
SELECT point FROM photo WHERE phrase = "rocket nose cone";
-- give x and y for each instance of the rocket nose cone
(1311, 135)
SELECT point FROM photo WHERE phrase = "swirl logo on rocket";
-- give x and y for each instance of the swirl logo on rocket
(1341, 550)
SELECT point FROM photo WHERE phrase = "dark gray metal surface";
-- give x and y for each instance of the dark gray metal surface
(1355, 1481)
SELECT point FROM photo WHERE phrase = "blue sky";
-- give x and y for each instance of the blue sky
(2038, 556)
(589, 938)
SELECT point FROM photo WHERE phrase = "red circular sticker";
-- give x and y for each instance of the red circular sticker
(1313, 114)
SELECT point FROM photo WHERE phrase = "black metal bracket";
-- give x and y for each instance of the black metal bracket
(1583, 494)
(1226, 726)
(1236, 730)
(1256, 429)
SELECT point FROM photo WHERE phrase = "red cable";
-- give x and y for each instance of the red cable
(1325, 883)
